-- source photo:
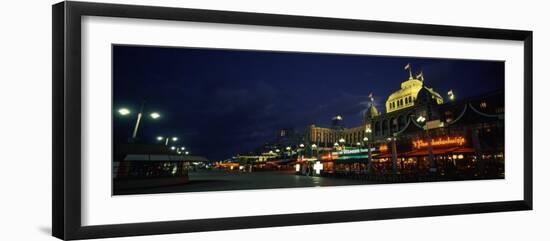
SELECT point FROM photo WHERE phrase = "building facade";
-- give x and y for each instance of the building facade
(418, 132)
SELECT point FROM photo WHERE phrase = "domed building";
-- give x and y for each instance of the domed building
(407, 95)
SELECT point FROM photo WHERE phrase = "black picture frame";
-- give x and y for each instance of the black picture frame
(66, 47)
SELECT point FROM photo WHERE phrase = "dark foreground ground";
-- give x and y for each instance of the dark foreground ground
(215, 180)
(219, 180)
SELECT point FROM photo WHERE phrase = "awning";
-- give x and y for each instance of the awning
(453, 150)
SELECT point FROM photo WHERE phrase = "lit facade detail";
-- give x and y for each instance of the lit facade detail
(406, 96)
(449, 141)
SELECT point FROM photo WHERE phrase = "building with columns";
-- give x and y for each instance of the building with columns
(417, 132)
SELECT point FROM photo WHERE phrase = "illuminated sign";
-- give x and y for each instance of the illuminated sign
(318, 167)
(329, 156)
(441, 141)
(383, 148)
(353, 151)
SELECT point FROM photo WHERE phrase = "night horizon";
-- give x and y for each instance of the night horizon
(222, 102)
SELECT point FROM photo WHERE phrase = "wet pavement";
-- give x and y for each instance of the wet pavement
(218, 180)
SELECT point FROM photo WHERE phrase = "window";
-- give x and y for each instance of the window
(483, 105)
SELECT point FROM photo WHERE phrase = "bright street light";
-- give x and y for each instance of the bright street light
(301, 145)
(186, 153)
(183, 148)
(174, 138)
(173, 148)
(155, 115)
(313, 146)
(160, 138)
(342, 140)
(124, 111)
(366, 139)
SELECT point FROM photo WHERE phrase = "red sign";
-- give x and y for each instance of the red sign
(441, 141)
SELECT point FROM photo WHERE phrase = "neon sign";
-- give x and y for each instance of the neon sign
(353, 151)
(441, 141)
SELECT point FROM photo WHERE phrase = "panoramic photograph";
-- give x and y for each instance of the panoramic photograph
(204, 119)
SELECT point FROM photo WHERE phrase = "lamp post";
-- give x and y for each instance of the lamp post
(314, 148)
(342, 142)
(288, 151)
(125, 111)
(368, 132)
(394, 153)
(167, 139)
(301, 149)
(433, 166)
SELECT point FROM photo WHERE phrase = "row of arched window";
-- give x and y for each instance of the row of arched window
(386, 127)
(406, 101)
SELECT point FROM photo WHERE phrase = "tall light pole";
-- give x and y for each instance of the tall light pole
(393, 141)
(288, 150)
(369, 149)
(342, 143)
(125, 111)
(167, 139)
(314, 147)
(433, 166)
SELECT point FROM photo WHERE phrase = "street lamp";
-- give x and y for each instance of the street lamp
(368, 133)
(301, 150)
(394, 153)
(155, 115)
(314, 147)
(124, 111)
(166, 139)
(342, 141)
(172, 148)
(433, 164)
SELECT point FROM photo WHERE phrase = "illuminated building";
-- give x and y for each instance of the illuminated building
(406, 96)
(419, 132)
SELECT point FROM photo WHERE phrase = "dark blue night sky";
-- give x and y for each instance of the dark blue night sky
(222, 102)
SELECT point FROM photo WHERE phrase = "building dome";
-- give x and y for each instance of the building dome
(371, 112)
(428, 96)
(407, 95)
(337, 121)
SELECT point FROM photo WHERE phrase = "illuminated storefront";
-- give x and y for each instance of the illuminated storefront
(423, 134)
